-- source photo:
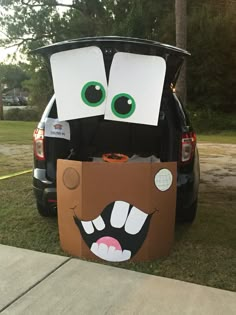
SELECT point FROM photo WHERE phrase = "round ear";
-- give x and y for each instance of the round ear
(71, 178)
(163, 179)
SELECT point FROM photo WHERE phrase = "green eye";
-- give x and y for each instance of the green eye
(93, 93)
(123, 105)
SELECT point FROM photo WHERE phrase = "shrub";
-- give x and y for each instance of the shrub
(29, 114)
(211, 121)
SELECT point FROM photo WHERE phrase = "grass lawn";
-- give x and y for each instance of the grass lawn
(16, 132)
(16, 146)
(220, 137)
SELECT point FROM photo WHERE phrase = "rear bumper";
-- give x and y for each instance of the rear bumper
(187, 192)
(187, 186)
(44, 190)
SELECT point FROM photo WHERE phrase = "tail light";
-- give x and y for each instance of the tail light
(38, 138)
(188, 146)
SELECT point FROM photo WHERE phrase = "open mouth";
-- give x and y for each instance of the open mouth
(118, 233)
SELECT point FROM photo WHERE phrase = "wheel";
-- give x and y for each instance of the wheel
(50, 211)
(188, 215)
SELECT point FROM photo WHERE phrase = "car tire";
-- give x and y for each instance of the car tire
(50, 211)
(189, 214)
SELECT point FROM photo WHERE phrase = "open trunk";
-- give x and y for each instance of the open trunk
(110, 45)
(94, 136)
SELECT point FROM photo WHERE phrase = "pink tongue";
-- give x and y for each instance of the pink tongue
(109, 241)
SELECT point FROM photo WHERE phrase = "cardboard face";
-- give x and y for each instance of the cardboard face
(116, 212)
(135, 88)
(80, 83)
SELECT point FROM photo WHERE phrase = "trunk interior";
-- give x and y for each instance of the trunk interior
(94, 136)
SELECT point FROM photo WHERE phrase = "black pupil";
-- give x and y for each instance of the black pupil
(92, 94)
(122, 106)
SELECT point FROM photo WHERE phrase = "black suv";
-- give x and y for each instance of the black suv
(172, 140)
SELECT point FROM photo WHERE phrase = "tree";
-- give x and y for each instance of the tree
(1, 105)
(181, 42)
(212, 66)
(211, 34)
(30, 24)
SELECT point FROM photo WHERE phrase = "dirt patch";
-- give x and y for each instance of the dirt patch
(15, 158)
(218, 163)
(15, 149)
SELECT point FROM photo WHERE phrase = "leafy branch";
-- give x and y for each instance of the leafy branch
(48, 3)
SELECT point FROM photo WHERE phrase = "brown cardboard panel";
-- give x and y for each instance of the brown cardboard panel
(126, 206)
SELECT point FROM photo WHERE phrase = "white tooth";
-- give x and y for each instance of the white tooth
(102, 251)
(119, 214)
(88, 227)
(94, 248)
(99, 223)
(135, 221)
(117, 255)
(126, 254)
(110, 253)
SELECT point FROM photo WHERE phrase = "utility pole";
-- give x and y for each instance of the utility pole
(1, 104)
(181, 42)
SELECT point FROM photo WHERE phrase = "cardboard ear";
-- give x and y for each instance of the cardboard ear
(80, 83)
(135, 88)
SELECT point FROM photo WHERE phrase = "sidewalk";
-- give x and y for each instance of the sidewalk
(38, 283)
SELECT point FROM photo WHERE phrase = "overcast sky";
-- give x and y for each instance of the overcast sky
(5, 52)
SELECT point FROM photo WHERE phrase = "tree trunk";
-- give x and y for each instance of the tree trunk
(1, 104)
(181, 42)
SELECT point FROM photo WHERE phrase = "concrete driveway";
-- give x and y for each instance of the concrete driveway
(38, 283)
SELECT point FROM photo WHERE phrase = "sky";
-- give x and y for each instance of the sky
(5, 52)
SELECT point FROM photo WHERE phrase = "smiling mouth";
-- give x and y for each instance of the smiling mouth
(118, 233)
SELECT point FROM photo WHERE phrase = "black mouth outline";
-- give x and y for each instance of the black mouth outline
(127, 241)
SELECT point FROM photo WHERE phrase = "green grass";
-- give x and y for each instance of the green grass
(16, 132)
(20, 224)
(21, 161)
(218, 137)
(203, 253)
(16, 152)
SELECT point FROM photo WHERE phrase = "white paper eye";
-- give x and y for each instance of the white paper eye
(135, 88)
(80, 83)
(163, 179)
